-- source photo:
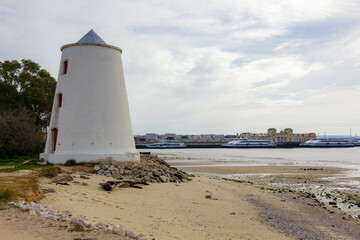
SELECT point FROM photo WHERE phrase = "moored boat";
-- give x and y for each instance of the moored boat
(163, 145)
(246, 143)
(327, 143)
(356, 142)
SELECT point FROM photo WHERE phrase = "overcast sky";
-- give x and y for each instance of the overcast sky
(211, 66)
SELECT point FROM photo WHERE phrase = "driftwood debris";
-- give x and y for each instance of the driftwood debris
(63, 179)
(47, 190)
(108, 186)
(62, 183)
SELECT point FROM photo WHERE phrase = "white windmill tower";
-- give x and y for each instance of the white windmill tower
(90, 118)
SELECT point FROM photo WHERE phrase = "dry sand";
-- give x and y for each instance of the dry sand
(169, 210)
(17, 225)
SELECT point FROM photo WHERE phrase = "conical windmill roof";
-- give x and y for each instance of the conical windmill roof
(91, 37)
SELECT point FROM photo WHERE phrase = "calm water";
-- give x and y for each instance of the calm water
(331, 157)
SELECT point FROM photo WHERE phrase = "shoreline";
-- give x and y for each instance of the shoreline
(268, 204)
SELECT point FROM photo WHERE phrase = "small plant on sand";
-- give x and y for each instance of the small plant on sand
(70, 162)
(354, 198)
(178, 175)
(77, 228)
(84, 239)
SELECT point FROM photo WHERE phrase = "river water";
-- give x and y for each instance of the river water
(329, 157)
(348, 158)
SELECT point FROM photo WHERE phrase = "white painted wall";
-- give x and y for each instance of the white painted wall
(94, 119)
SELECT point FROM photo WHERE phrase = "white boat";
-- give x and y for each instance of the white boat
(327, 143)
(246, 143)
(166, 145)
(356, 142)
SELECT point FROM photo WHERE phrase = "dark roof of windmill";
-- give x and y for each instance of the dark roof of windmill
(91, 37)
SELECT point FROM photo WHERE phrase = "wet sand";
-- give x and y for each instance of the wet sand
(260, 169)
(296, 176)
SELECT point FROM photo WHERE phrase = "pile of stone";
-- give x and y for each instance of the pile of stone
(149, 169)
(48, 212)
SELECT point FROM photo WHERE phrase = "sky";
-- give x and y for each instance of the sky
(221, 67)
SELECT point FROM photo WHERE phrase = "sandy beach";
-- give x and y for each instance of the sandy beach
(169, 210)
(267, 205)
(18, 225)
(181, 210)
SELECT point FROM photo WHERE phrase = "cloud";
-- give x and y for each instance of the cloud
(200, 66)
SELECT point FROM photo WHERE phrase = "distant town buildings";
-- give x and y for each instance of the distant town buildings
(153, 137)
(285, 135)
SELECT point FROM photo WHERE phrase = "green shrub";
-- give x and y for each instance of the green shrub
(77, 228)
(70, 162)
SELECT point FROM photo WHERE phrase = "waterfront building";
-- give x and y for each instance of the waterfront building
(151, 136)
(90, 118)
(286, 135)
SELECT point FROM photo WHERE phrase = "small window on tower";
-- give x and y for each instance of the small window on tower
(65, 67)
(59, 100)
(54, 138)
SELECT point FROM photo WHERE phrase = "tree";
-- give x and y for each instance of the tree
(25, 84)
(19, 133)
(26, 98)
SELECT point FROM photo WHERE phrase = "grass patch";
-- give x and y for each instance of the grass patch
(16, 163)
(18, 160)
(78, 228)
(84, 239)
(25, 187)
(309, 195)
(13, 188)
(7, 195)
(48, 172)
(354, 198)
